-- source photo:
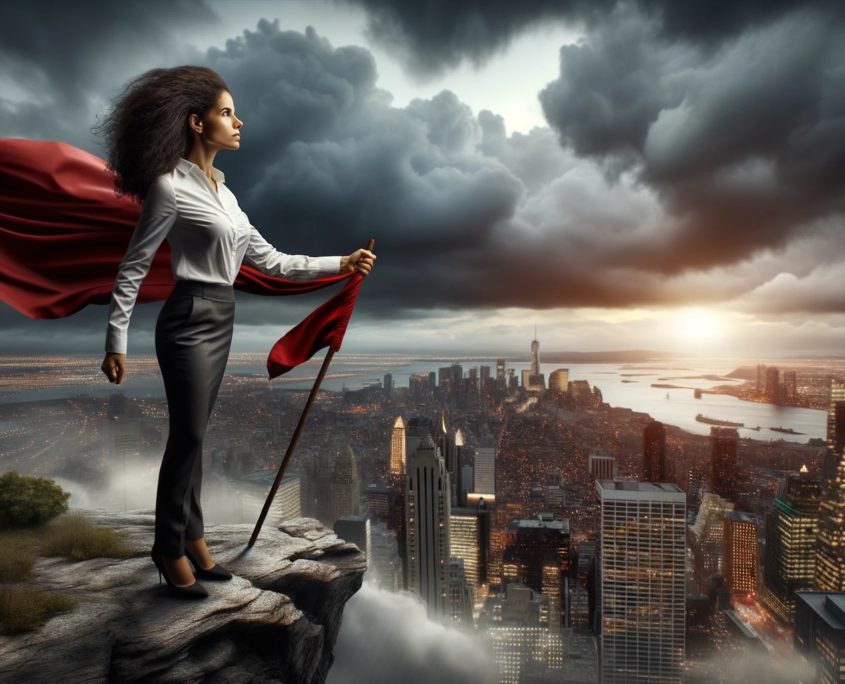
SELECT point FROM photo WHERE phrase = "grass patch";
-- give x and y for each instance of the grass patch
(25, 608)
(73, 534)
(18, 554)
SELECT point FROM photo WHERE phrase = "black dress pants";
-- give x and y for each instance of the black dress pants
(192, 338)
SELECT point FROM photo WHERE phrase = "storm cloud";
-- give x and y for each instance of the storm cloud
(685, 162)
(432, 36)
(745, 147)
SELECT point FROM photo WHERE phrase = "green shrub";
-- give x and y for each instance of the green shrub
(28, 500)
(24, 608)
(74, 535)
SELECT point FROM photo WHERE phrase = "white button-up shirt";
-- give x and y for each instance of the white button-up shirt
(209, 238)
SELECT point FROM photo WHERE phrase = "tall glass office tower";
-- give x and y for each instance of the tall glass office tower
(830, 550)
(641, 601)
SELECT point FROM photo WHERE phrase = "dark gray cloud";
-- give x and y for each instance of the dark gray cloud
(62, 56)
(669, 170)
(745, 146)
(431, 36)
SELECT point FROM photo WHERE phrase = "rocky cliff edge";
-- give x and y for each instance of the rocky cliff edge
(276, 621)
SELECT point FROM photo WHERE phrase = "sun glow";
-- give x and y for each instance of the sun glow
(698, 324)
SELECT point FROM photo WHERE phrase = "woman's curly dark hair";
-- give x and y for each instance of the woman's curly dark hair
(147, 130)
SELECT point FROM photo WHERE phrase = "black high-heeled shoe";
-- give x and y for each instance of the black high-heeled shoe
(215, 572)
(195, 590)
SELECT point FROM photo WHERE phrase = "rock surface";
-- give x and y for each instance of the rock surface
(276, 620)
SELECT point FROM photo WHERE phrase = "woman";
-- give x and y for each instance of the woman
(162, 136)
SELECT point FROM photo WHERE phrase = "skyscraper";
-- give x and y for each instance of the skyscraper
(419, 387)
(397, 448)
(559, 380)
(773, 385)
(253, 489)
(117, 405)
(465, 542)
(740, 553)
(790, 387)
(500, 369)
(444, 378)
(126, 437)
(820, 633)
(485, 377)
(707, 538)
(515, 622)
(533, 382)
(791, 530)
(723, 462)
(346, 489)
(448, 450)
(485, 470)
(761, 379)
(541, 546)
(535, 354)
(601, 467)
(830, 551)
(460, 594)
(418, 427)
(385, 569)
(640, 573)
(427, 512)
(654, 452)
(835, 427)
(388, 385)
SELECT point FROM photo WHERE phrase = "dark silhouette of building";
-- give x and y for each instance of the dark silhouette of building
(723, 462)
(790, 388)
(772, 385)
(537, 540)
(654, 452)
(761, 379)
(820, 633)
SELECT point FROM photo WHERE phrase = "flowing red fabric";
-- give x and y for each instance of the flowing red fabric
(64, 232)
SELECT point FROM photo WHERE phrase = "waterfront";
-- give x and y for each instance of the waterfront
(627, 385)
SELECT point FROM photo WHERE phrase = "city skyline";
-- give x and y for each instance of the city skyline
(546, 542)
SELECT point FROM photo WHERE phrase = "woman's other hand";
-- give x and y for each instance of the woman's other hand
(362, 260)
(114, 366)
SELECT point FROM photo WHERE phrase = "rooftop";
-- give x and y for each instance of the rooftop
(643, 491)
(737, 516)
(267, 476)
(829, 606)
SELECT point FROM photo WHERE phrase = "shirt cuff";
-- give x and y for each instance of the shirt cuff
(116, 341)
(327, 266)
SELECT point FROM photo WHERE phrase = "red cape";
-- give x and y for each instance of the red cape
(64, 233)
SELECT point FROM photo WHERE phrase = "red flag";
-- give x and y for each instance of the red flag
(323, 328)
(63, 234)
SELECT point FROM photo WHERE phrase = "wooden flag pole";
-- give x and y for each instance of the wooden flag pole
(300, 426)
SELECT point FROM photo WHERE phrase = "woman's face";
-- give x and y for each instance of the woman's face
(220, 127)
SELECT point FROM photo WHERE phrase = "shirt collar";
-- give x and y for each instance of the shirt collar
(187, 167)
